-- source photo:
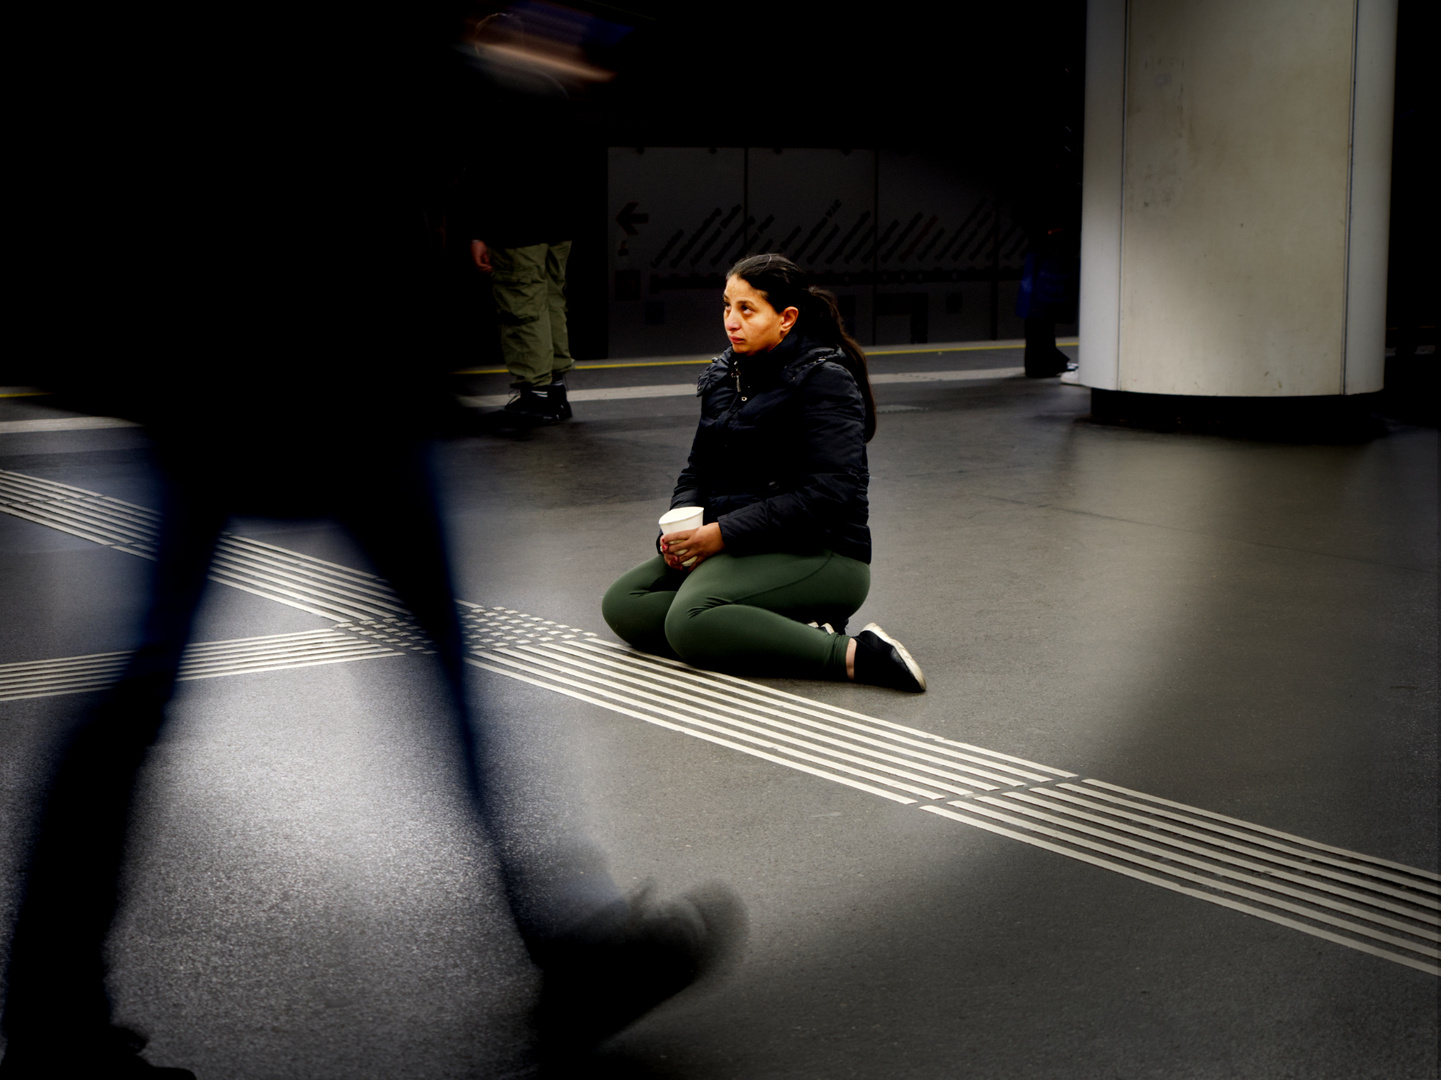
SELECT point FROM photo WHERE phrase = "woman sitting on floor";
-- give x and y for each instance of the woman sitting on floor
(779, 466)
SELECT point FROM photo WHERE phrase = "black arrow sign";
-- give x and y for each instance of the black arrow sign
(628, 219)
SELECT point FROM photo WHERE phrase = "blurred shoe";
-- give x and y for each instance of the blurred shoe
(115, 1055)
(881, 660)
(1047, 367)
(622, 964)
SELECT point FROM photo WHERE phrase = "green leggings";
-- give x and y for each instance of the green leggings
(744, 614)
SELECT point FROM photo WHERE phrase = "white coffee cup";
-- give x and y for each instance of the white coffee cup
(682, 518)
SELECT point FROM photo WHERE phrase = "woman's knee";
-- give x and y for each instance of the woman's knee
(685, 631)
(628, 611)
(712, 635)
(615, 606)
(635, 607)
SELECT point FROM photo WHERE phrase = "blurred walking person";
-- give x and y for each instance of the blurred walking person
(275, 269)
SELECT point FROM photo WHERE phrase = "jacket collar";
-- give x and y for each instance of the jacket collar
(790, 361)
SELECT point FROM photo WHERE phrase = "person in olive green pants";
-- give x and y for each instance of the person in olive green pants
(528, 287)
(745, 614)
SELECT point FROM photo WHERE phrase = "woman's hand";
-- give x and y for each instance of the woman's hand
(687, 549)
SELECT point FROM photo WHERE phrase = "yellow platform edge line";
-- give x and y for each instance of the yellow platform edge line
(19, 392)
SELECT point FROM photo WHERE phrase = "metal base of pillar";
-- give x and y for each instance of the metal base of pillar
(1338, 418)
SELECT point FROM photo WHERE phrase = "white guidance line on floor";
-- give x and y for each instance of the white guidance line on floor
(63, 423)
(1374, 905)
(495, 401)
(202, 660)
(687, 389)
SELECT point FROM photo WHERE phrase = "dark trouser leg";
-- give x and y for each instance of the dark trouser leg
(56, 977)
(605, 961)
(552, 881)
(1043, 359)
(397, 522)
(556, 257)
(522, 304)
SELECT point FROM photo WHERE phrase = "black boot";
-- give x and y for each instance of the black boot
(534, 406)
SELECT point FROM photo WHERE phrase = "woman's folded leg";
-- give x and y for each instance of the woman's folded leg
(635, 606)
(747, 614)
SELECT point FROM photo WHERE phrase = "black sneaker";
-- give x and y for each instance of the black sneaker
(534, 406)
(881, 660)
(624, 963)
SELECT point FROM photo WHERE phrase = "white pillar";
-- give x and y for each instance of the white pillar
(1236, 196)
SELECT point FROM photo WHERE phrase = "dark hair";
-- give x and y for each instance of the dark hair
(784, 285)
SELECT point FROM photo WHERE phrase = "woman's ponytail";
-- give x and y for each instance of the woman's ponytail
(784, 285)
(825, 324)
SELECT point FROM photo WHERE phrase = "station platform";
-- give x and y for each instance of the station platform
(1168, 808)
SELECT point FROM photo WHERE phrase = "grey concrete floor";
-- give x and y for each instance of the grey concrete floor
(1245, 627)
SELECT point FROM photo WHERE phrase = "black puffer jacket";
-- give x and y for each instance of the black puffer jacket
(779, 458)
